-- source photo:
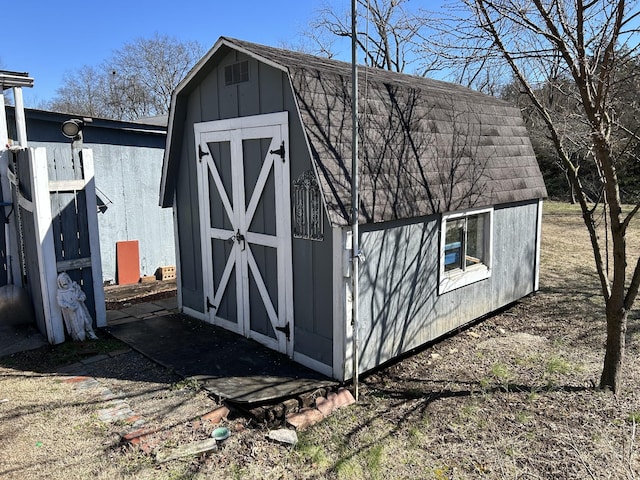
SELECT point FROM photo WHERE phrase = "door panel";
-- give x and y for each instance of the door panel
(244, 179)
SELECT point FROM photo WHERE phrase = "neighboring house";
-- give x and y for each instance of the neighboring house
(128, 164)
(257, 169)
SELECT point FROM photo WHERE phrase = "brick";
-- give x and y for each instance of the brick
(344, 398)
(216, 416)
(138, 434)
(87, 384)
(326, 405)
(76, 379)
(304, 418)
(133, 419)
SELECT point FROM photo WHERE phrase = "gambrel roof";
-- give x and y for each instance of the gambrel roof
(426, 146)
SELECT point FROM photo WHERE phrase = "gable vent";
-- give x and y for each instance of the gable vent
(236, 73)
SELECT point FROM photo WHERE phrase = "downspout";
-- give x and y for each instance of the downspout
(355, 251)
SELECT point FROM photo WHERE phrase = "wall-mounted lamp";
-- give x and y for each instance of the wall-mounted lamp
(72, 128)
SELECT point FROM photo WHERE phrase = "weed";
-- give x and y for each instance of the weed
(523, 417)
(238, 472)
(485, 383)
(442, 473)
(500, 371)
(558, 366)
(415, 437)
(315, 454)
(189, 383)
(349, 469)
(374, 457)
(634, 417)
(468, 411)
(135, 461)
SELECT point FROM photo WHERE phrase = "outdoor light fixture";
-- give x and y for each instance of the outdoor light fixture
(72, 128)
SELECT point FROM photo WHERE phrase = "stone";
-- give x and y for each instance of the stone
(284, 435)
(194, 448)
(473, 334)
(258, 413)
(291, 405)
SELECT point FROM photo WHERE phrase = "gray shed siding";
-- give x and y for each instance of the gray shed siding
(400, 308)
(127, 179)
(268, 91)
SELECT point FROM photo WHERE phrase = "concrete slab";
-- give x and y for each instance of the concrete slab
(19, 338)
(140, 309)
(230, 366)
(170, 303)
(113, 315)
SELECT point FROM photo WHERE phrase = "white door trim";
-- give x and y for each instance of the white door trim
(234, 131)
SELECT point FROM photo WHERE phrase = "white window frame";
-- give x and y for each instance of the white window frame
(458, 278)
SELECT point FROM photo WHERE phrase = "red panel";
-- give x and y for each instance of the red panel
(128, 262)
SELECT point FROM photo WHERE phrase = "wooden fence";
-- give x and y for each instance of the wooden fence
(56, 230)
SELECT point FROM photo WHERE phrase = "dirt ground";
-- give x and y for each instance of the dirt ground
(511, 397)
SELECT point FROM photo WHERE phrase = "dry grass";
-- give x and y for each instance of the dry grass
(510, 398)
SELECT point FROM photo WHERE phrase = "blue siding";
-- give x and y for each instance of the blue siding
(400, 308)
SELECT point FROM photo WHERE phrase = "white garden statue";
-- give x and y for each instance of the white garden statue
(74, 312)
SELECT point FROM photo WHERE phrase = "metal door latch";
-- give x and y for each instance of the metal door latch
(238, 237)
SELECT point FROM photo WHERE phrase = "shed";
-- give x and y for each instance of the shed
(257, 170)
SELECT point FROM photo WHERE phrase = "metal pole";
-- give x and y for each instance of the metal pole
(354, 197)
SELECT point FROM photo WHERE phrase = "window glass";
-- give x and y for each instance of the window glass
(475, 240)
(465, 255)
(454, 245)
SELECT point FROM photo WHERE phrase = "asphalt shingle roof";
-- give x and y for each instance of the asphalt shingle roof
(426, 146)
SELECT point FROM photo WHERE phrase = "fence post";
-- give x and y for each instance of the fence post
(94, 237)
(46, 251)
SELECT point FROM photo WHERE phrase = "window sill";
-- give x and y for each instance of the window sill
(455, 279)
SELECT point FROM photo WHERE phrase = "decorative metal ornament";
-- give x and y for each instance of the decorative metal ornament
(307, 208)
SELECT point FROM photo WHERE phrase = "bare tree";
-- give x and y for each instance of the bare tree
(135, 82)
(81, 93)
(584, 45)
(389, 33)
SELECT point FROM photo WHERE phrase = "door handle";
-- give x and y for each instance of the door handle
(240, 238)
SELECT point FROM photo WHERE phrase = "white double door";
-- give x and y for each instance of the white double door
(243, 182)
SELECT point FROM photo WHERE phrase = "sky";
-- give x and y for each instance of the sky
(46, 40)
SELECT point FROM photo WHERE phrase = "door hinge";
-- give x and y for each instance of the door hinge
(201, 153)
(210, 305)
(286, 330)
(279, 151)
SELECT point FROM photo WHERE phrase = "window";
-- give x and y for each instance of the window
(236, 73)
(465, 248)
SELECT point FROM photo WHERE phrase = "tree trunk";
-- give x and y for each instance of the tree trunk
(611, 378)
